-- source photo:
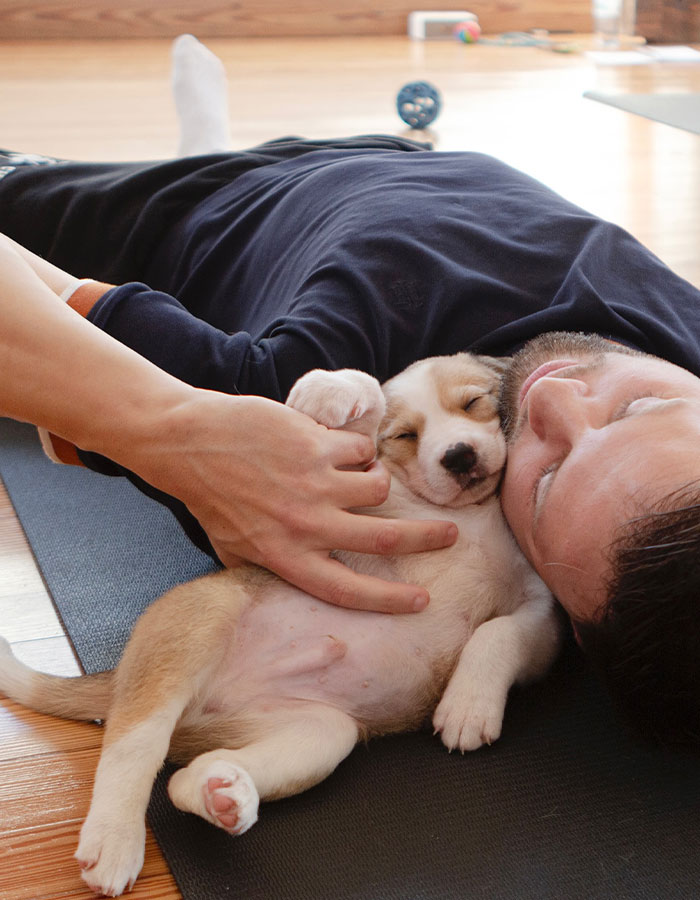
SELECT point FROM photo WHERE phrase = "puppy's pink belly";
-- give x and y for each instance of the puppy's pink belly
(292, 647)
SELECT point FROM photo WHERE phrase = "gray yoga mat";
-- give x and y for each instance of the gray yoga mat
(565, 805)
(678, 110)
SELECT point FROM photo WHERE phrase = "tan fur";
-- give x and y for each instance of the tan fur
(144, 677)
(477, 399)
(85, 697)
(400, 424)
(264, 690)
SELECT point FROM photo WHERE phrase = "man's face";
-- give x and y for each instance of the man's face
(596, 435)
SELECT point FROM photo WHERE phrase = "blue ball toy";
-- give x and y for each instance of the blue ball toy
(418, 104)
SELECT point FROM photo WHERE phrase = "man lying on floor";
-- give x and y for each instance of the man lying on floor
(236, 272)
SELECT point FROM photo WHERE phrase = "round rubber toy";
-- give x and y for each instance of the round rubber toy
(418, 104)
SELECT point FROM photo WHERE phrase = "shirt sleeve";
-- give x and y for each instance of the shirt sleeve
(160, 328)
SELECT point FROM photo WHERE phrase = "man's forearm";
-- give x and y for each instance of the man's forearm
(51, 275)
(62, 373)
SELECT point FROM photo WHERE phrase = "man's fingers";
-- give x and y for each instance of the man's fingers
(339, 585)
(347, 449)
(368, 488)
(366, 534)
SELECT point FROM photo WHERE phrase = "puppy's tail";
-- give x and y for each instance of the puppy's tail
(79, 697)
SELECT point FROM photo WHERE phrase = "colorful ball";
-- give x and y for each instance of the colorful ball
(418, 104)
(469, 32)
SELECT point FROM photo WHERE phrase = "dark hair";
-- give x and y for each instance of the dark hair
(645, 639)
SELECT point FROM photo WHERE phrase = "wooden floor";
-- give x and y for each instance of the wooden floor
(110, 100)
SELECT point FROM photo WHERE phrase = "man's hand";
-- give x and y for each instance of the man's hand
(266, 482)
(271, 486)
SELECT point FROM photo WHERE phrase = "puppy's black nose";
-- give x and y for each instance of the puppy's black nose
(459, 459)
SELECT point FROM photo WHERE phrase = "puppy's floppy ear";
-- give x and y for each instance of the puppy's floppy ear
(499, 364)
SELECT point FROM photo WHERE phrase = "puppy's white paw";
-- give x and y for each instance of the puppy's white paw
(219, 791)
(231, 801)
(346, 398)
(110, 855)
(467, 721)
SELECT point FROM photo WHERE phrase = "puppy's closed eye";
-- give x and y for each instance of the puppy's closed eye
(471, 403)
(481, 406)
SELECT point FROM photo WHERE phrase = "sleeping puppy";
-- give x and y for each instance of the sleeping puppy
(263, 689)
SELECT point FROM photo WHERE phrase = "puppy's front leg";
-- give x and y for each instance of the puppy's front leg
(346, 398)
(502, 652)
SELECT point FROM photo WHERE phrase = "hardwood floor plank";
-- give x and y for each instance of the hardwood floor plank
(46, 788)
(25, 734)
(27, 612)
(36, 863)
(50, 654)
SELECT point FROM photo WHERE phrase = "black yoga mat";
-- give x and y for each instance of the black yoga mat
(678, 110)
(565, 805)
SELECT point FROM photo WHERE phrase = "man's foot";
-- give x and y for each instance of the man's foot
(201, 98)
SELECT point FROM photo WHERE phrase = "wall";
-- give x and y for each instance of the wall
(259, 18)
(669, 20)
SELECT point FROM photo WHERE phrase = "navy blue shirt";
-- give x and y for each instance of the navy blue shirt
(376, 258)
(243, 271)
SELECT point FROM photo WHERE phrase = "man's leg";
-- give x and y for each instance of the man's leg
(108, 220)
(94, 219)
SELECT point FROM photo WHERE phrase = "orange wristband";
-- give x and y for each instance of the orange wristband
(86, 295)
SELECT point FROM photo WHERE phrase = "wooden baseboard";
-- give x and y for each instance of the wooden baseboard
(269, 18)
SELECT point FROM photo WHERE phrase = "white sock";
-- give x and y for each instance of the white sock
(201, 98)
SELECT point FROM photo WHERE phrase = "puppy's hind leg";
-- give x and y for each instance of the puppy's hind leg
(111, 848)
(161, 671)
(291, 752)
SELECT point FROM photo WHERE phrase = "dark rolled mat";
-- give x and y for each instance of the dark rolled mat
(565, 805)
